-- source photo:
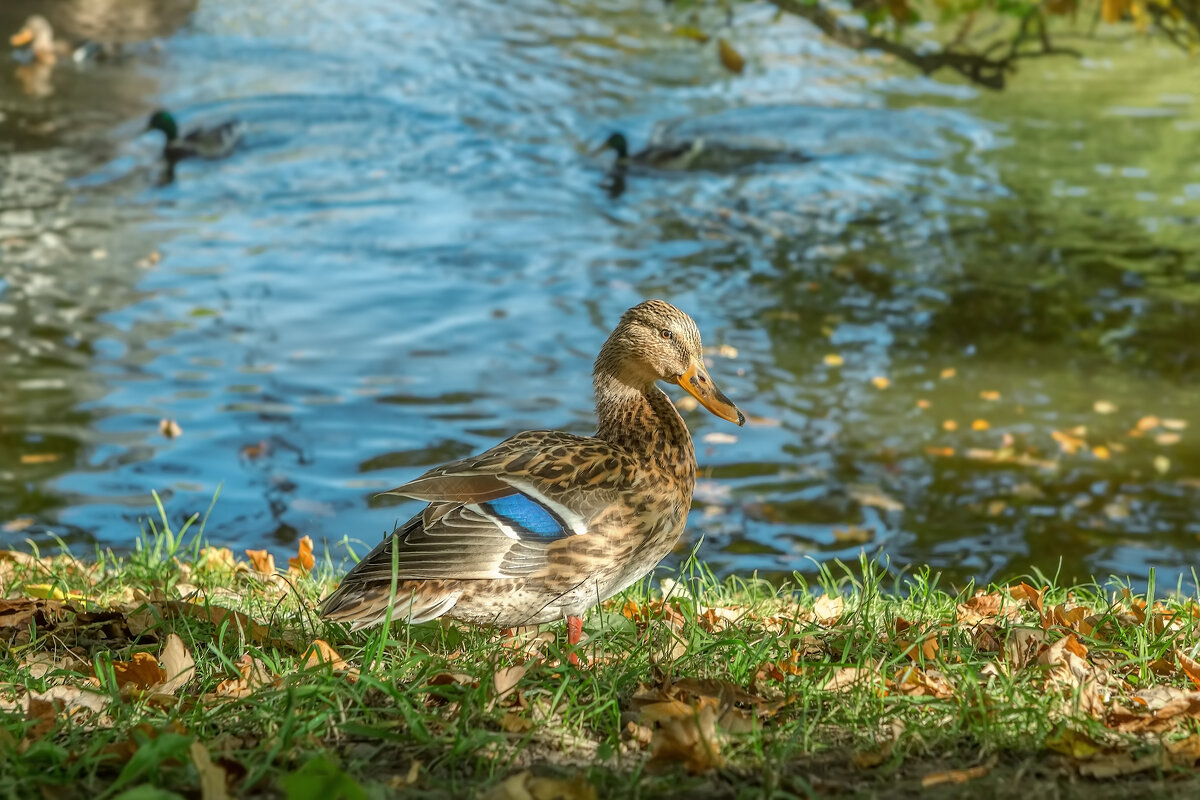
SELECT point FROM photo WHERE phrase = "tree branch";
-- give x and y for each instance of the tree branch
(979, 68)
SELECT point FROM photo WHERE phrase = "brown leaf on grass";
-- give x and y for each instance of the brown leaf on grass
(779, 670)
(955, 776)
(178, 666)
(989, 607)
(1070, 671)
(846, 678)
(1189, 667)
(827, 610)
(920, 683)
(506, 679)
(320, 654)
(868, 759)
(218, 559)
(1025, 592)
(515, 723)
(1155, 710)
(303, 562)
(253, 675)
(1114, 765)
(731, 59)
(61, 702)
(19, 612)
(213, 780)
(684, 733)
(1075, 618)
(261, 561)
(527, 786)
(140, 672)
(44, 716)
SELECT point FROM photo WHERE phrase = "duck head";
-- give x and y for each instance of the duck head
(617, 143)
(655, 341)
(163, 121)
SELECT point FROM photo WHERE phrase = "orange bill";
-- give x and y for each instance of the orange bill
(697, 383)
(21, 37)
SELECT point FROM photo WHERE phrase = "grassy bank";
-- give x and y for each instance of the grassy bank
(193, 671)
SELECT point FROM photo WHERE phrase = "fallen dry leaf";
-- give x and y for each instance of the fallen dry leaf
(846, 678)
(216, 558)
(684, 734)
(140, 672)
(527, 786)
(253, 675)
(178, 666)
(954, 776)
(1189, 667)
(169, 428)
(261, 561)
(213, 780)
(303, 562)
(321, 654)
(828, 609)
(507, 678)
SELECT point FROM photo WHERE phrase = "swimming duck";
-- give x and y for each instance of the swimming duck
(665, 155)
(46, 49)
(547, 524)
(205, 141)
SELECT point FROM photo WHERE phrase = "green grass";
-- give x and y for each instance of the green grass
(743, 666)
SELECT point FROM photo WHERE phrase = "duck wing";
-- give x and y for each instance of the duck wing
(503, 513)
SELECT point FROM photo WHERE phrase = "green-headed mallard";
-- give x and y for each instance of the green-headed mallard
(664, 155)
(204, 141)
(38, 34)
(547, 524)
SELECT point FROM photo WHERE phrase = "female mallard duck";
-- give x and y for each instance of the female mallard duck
(547, 524)
(205, 141)
(665, 155)
(46, 49)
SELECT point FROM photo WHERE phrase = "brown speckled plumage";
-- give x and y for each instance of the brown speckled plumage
(620, 500)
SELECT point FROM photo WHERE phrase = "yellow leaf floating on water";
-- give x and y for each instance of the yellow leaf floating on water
(39, 458)
(1162, 465)
(690, 32)
(730, 58)
(949, 425)
(1101, 452)
(880, 382)
(1167, 439)
(169, 428)
(949, 372)
(990, 395)
(1104, 407)
(980, 425)
(834, 360)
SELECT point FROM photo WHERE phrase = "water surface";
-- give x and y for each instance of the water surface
(964, 328)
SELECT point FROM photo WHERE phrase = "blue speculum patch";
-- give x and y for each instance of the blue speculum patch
(527, 515)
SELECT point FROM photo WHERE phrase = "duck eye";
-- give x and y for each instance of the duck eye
(666, 334)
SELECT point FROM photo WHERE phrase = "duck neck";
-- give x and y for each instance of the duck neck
(643, 421)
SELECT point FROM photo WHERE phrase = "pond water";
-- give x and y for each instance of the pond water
(965, 329)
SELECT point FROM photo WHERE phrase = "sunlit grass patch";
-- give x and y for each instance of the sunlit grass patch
(182, 665)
